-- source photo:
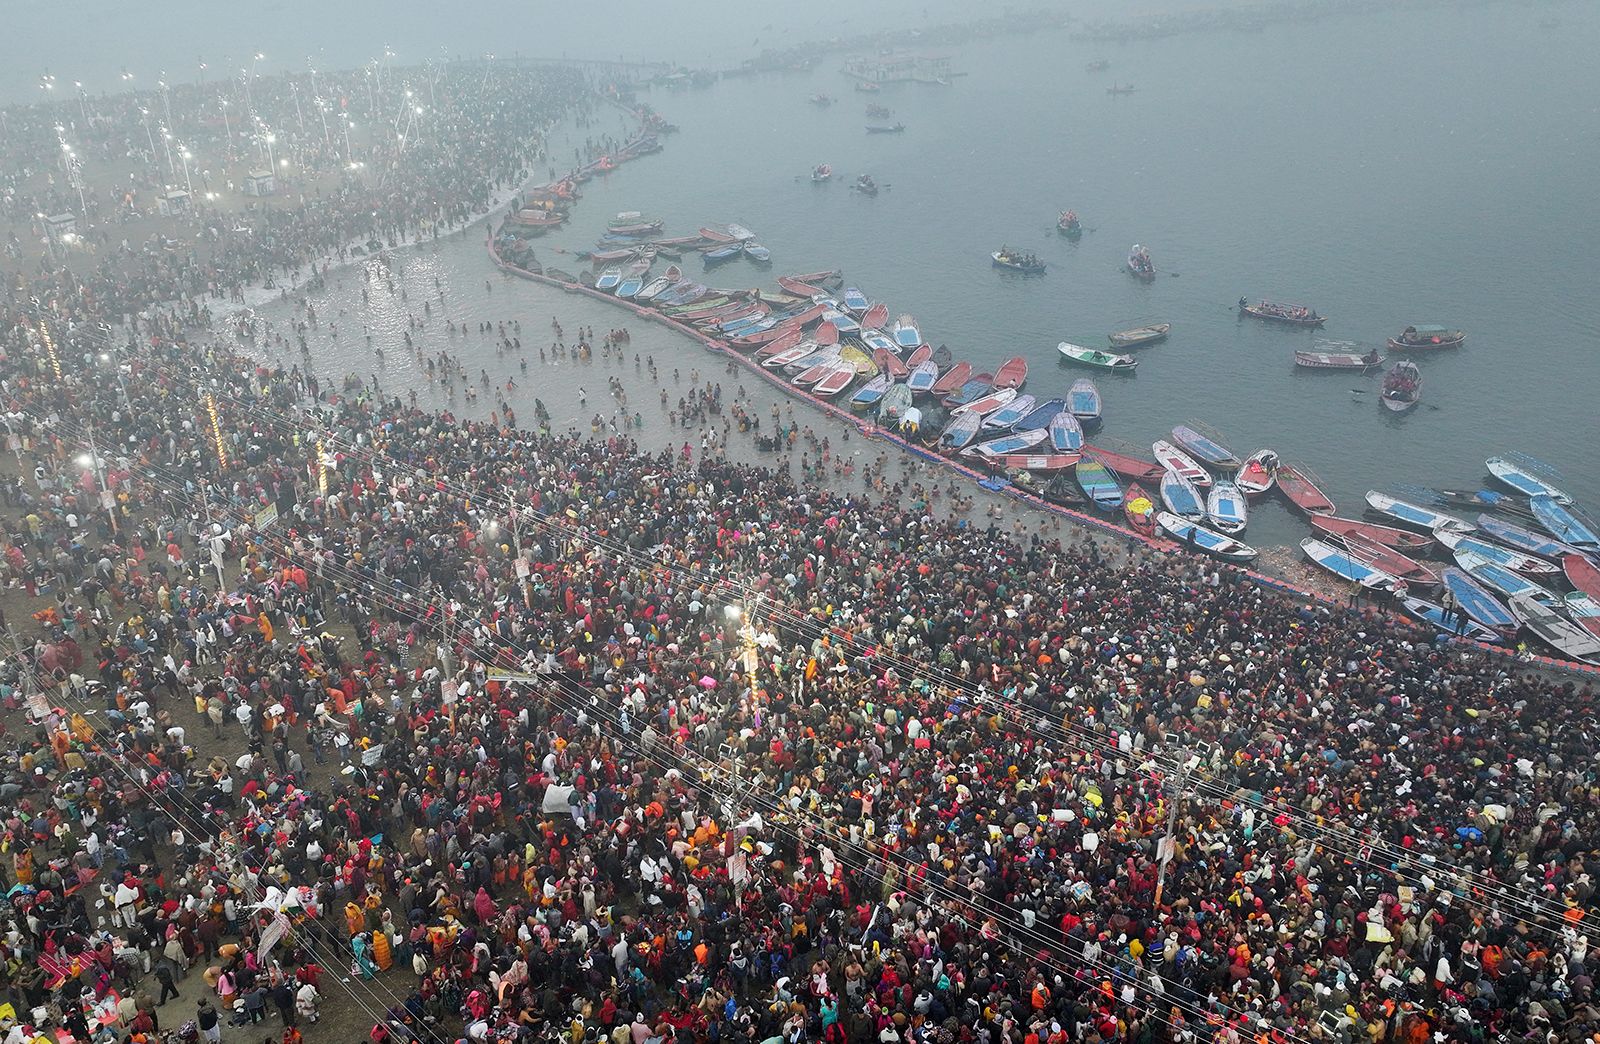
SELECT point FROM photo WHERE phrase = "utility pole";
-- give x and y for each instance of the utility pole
(1166, 848)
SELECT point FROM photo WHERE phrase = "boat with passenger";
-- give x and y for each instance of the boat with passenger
(1139, 264)
(1018, 261)
(1069, 225)
(1287, 314)
(1427, 338)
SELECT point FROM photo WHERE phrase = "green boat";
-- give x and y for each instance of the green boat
(1096, 358)
(1099, 484)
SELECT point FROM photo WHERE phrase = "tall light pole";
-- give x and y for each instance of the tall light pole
(166, 100)
(345, 116)
(74, 169)
(166, 143)
(322, 111)
(83, 99)
(294, 89)
(227, 125)
(148, 134)
(188, 183)
(201, 79)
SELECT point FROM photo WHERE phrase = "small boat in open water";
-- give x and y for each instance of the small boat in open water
(1402, 387)
(1337, 360)
(1096, 358)
(1288, 314)
(1140, 336)
(1017, 261)
(1426, 338)
(1139, 264)
(1258, 472)
(1069, 225)
(1083, 399)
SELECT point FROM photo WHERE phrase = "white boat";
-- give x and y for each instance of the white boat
(1226, 507)
(1258, 472)
(906, 334)
(1203, 539)
(1498, 578)
(1016, 442)
(1013, 411)
(1555, 630)
(1182, 498)
(1343, 565)
(1449, 622)
(740, 233)
(1175, 460)
(1514, 560)
(1524, 481)
(1416, 514)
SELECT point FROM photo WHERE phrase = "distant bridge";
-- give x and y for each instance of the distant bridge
(617, 68)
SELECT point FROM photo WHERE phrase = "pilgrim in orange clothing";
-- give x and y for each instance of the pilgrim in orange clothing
(354, 919)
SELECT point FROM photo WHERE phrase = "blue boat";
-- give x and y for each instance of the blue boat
(870, 392)
(1524, 539)
(855, 300)
(1448, 623)
(1208, 540)
(846, 325)
(757, 253)
(630, 286)
(1083, 399)
(1477, 602)
(1497, 577)
(877, 340)
(1415, 514)
(1099, 484)
(1517, 561)
(1010, 415)
(1345, 567)
(960, 431)
(923, 377)
(905, 333)
(1041, 414)
(609, 279)
(972, 391)
(1226, 507)
(1519, 478)
(726, 252)
(1066, 434)
(1181, 497)
(1563, 524)
(1016, 442)
(1205, 448)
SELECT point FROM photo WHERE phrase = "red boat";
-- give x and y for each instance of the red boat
(1582, 574)
(1035, 462)
(1371, 533)
(795, 286)
(952, 379)
(827, 334)
(1388, 559)
(788, 340)
(890, 364)
(1012, 373)
(1131, 468)
(717, 237)
(1142, 519)
(876, 317)
(778, 333)
(713, 312)
(922, 354)
(1302, 492)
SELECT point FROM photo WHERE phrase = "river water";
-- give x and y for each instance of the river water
(1407, 167)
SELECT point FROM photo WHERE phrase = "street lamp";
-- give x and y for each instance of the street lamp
(166, 143)
(148, 135)
(83, 100)
(227, 126)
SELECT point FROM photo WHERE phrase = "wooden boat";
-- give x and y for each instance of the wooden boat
(1173, 459)
(631, 222)
(1016, 442)
(825, 278)
(1120, 88)
(1205, 448)
(880, 112)
(827, 332)
(1402, 387)
(1498, 578)
(1582, 574)
(890, 364)
(854, 300)
(1139, 510)
(1348, 567)
(1562, 635)
(1480, 605)
(896, 402)
(1096, 358)
(1336, 360)
(794, 286)
(757, 253)
(1139, 264)
(1415, 514)
(1427, 338)
(1371, 533)
(836, 381)
(1066, 434)
(1181, 497)
(814, 373)
(1129, 467)
(793, 353)
(863, 363)
(960, 431)
(1010, 415)
(1042, 462)
(739, 232)
(905, 333)
(869, 394)
(820, 173)
(1083, 399)
(1042, 413)
(1387, 559)
(1524, 539)
(1139, 336)
(630, 286)
(919, 355)
(782, 343)
(952, 379)
(977, 387)
(1069, 225)
(1516, 561)
(1061, 489)
(875, 317)
(865, 185)
(665, 281)
(882, 128)
(1524, 481)
(715, 235)
(1302, 491)
(922, 378)
(985, 404)
(1200, 538)
(1027, 264)
(1227, 508)
(1289, 315)
(1445, 621)
(722, 254)
(609, 279)
(1012, 373)
(1563, 524)
(1257, 473)
(878, 342)
(1099, 484)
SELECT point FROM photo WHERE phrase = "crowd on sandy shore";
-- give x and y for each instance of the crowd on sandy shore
(655, 747)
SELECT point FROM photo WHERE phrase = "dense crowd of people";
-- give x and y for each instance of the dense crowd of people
(597, 744)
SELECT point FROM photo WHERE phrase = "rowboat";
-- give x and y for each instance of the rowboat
(685, 294)
(630, 286)
(1061, 489)
(1027, 264)
(757, 253)
(1257, 473)
(1083, 399)
(1016, 442)
(836, 381)
(1555, 630)
(976, 388)
(863, 363)
(631, 221)
(1138, 509)
(1069, 225)
(1524, 481)
(1099, 484)
(1477, 601)
(1582, 574)
(896, 401)
(905, 332)
(814, 373)
(960, 431)
(877, 342)
(1096, 358)
(1415, 514)
(609, 278)
(1035, 461)
(653, 289)
(1524, 539)
(952, 379)
(726, 252)
(782, 343)
(795, 286)
(1066, 434)
(1128, 467)
(827, 332)
(1516, 561)
(923, 377)
(871, 392)
(985, 404)
(739, 232)
(1447, 622)
(1563, 524)
(919, 355)
(1202, 539)
(1173, 459)
(1226, 507)
(1302, 492)
(875, 317)
(1012, 373)
(1043, 413)
(1290, 315)
(1426, 338)
(1139, 336)
(1181, 496)
(1010, 415)
(1387, 559)
(890, 364)
(1206, 449)
(826, 278)
(885, 128)
(1371, 533)
(789, 355)
(715, 235)
(1498, 578)
(1402, 387)
(1336, 360)
(855, 300)
(1347, 567)
(1139, 264)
